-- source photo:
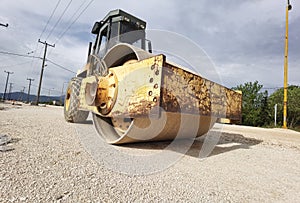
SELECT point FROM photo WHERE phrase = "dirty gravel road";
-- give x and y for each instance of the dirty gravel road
(47, 162)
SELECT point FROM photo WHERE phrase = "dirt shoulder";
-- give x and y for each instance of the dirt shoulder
(271, 136)
(48, 163)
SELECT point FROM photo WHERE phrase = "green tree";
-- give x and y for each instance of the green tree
(265, 116)
(255, 108)
(293, 105)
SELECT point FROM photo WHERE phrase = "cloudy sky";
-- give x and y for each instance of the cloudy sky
(244, 39)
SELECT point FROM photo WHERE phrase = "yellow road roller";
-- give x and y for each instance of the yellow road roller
(137, 96)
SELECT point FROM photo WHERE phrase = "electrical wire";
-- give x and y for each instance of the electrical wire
(48, 60)
(67, 29)
(15, 65)
(59, 19)
(45, 27)
(58, 2)
(43, 88)
(70, 25)
(71, 19)
(21, 55)
(18, 86)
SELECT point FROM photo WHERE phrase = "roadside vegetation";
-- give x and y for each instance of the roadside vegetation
(258, 108)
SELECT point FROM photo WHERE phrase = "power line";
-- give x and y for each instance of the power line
(36, 48)
(15, 54)
(49, 18)
(20, 55)
(48, 60)
(26, 56)
(33, 85)
(70, 25)
(15, 65)
(47, 88)
(54, 25)
(66, 30)
(32, 64)
(82, 3)
(59, 19)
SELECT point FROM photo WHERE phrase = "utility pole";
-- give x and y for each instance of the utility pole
(49, 100)
(4, 25)
(7, 78)
(10, 89)
(42, 71)
(21, 95)
(30, 80)
(285, 86)
(62, 92)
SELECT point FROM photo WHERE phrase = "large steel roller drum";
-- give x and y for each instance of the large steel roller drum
(167, 126)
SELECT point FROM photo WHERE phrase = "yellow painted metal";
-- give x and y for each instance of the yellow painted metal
(285, 87)
(224, 120)
(187, 92)
(107, 92)
(137, 93)
(156, 100)
(137, 86)
(67, 101)
(142, 88)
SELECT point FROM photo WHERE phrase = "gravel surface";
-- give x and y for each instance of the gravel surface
(45, 162)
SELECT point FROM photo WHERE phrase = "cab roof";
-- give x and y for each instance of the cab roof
(117, 16)
(119, 12)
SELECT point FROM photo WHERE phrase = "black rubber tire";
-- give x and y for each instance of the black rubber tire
(71, 104)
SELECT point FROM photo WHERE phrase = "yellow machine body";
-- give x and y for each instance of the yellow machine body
(153, 91)
(135, 96)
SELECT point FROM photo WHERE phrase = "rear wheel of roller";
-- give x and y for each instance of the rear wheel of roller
(71, 107)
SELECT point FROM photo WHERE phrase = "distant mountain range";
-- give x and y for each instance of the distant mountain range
(21, 96)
